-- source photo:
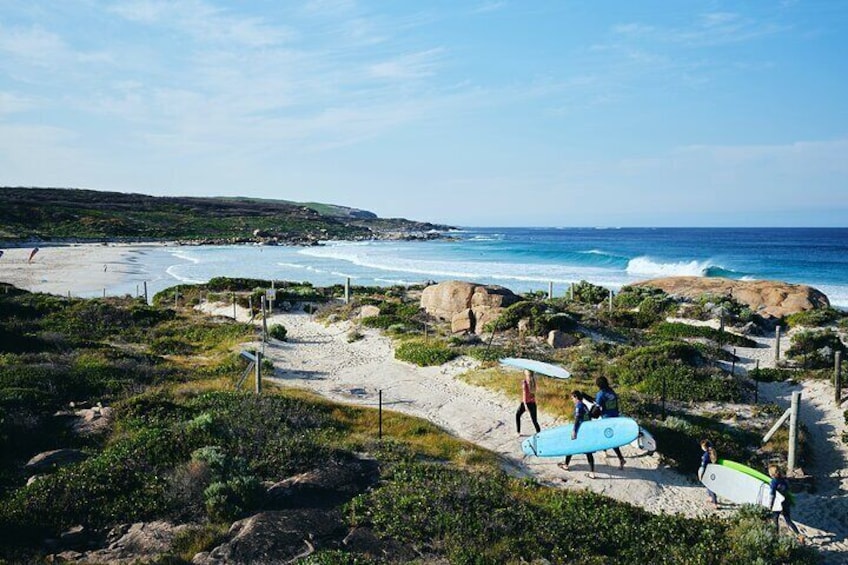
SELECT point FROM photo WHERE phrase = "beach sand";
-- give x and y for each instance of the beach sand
(82, 270)
(318, 357)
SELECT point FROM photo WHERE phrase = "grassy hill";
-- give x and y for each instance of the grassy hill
(54, 213)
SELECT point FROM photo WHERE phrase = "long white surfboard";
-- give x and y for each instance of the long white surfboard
(536, 367)
(739, 487)
(594, 435)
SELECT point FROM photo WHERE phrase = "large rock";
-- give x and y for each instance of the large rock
(770, 299)
(277, 537)
(49, 460)
(447, 299)
(129, 543)
(331, 485)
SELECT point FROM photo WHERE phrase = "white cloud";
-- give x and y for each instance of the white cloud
(708, 30)
(410, 65)
(205, 23)
(11, 103)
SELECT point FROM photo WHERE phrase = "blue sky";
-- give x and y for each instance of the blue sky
(478, 113)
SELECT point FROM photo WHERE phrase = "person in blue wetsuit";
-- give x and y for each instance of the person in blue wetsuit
(779, 484)
(581, 414)
(607, 400)
(709, 456)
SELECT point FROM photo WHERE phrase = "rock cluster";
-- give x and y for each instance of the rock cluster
(769, 299)
(468, 306)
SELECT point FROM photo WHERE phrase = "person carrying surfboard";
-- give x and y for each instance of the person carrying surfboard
(581, 414)
(709, 456)
(528, 401)
(781, 485)
(607, 401)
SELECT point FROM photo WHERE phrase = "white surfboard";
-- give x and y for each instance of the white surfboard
(536, 367)
(645, 441)
(739, 487)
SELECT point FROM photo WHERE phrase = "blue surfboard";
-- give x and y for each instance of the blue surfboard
(595, 435)
(536, 367)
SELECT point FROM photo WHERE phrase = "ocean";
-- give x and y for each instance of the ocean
(522, 259)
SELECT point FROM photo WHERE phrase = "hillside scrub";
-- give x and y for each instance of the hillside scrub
(485, 517)
(186, 448)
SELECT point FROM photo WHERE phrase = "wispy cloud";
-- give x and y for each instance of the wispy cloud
(410, 65)
(492, 6)
(709, 29)
(205, 22)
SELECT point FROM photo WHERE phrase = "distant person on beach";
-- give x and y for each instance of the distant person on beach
(607, 401)
(709, 456)
(528, 401)
(779, 484)
(581, 414)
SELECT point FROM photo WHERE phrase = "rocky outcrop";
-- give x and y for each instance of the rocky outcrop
(49, 460)
(331, 485)
(128, 543)
(449, 299)
(277, 537)
(770, 299)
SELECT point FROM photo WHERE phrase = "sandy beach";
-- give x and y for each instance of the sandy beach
(318, 357)
(82, 270)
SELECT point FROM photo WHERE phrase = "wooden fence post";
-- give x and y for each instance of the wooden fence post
(793, 432)
(258, 387)
(837, 377)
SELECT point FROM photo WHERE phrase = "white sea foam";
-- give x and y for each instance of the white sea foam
(645, 266)
(172, 270)
(382, 260)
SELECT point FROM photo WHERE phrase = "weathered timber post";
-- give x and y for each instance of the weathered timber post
(380, 415)
(837, 377)
(234, 306)
(550, 290)
(757, 383)
(776, 345)
(793, 432)
(347, 291)
(145, 293)
(610, 301)
(258, 387)
(264, 321)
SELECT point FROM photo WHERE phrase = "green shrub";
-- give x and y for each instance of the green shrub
(232, 499)
(676, 330)
(638, 364)
(171, 346)
(817, 317)
(425, 353)
(589, 293)
(816, 347)
(769, 375)
(278, 331)
(633, 296)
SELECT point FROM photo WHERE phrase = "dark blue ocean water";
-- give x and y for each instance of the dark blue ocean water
(530, 258)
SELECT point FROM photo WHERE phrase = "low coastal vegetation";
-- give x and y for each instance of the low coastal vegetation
(181, 444)
(95, 215)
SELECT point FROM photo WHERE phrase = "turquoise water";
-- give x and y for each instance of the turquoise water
(524, 259)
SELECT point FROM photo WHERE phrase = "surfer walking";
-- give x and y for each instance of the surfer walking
(709, 456)
(528, 401)
(607, 401)
(581, 414)
(779, 484)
